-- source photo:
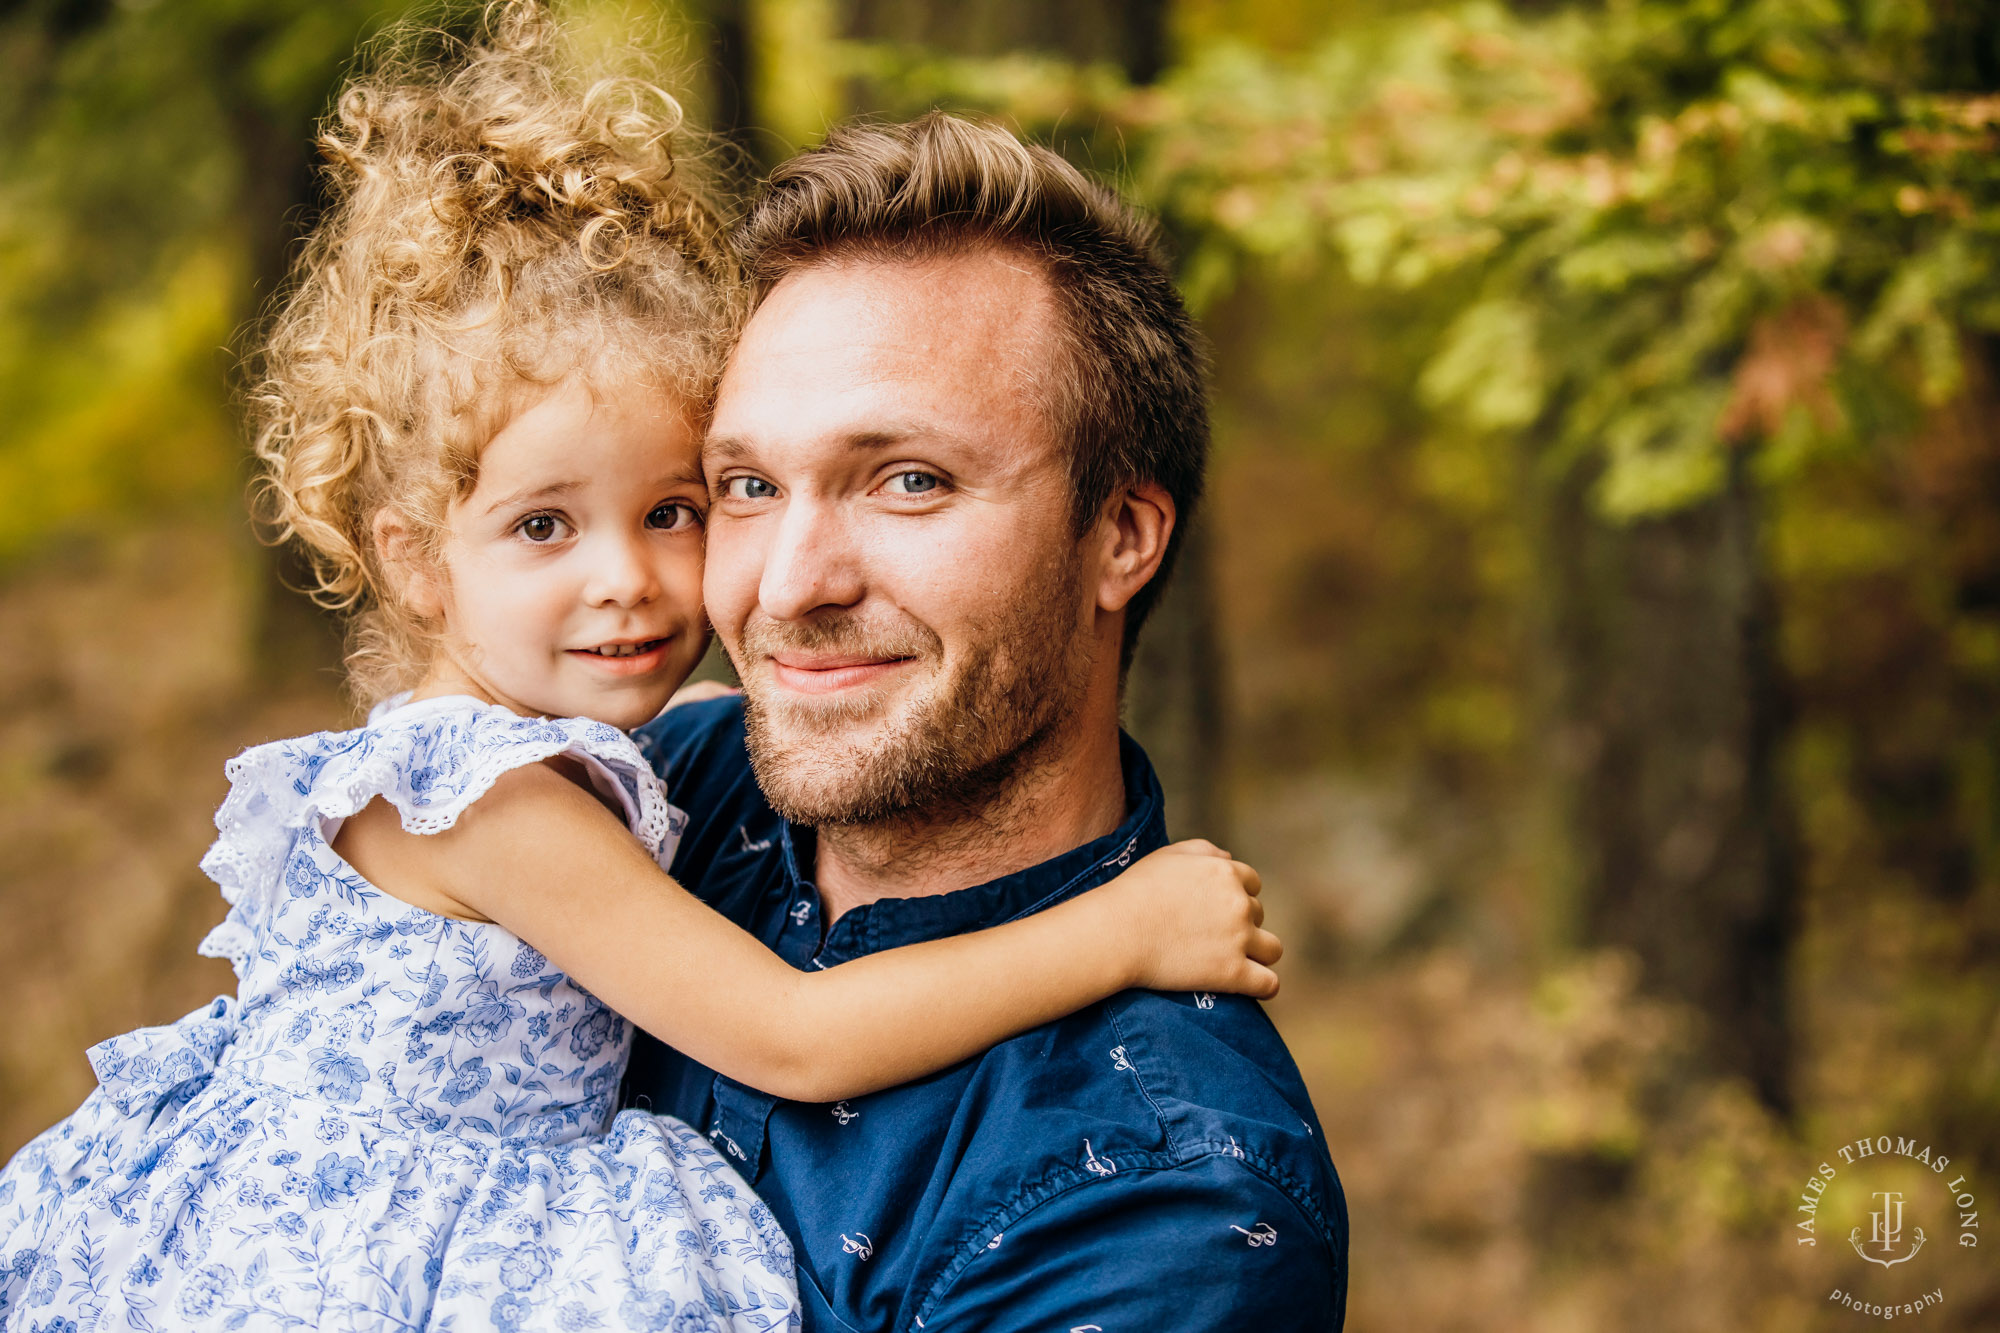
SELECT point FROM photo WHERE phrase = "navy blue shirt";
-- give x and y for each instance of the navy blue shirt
(1150, 1163)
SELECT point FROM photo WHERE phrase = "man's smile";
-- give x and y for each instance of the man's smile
(817, 673)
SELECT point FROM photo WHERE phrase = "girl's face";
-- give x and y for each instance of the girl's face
(572, 572)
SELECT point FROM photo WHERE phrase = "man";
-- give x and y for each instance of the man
(949, 464)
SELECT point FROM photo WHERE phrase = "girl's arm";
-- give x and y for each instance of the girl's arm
(543, 858)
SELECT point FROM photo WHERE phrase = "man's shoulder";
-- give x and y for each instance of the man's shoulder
(1210, 1081)
(1223, 1083)
(1170, 1148)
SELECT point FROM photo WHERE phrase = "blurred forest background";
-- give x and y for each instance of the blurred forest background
(1594, 631)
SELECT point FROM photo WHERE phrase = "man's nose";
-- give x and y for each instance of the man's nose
(621, 573)
(811, 562)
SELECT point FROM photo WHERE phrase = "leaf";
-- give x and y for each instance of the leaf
(1488, 367)
(1663, 456)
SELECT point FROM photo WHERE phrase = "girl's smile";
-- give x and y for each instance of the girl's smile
(626, 659)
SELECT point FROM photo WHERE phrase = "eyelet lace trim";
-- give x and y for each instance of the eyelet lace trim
(431, 763)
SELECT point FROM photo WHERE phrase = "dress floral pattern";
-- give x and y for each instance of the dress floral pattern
(400, 1120)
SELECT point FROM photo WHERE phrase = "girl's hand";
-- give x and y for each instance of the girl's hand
(1193, 915)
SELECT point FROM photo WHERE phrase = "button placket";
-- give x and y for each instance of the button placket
(738, 1126)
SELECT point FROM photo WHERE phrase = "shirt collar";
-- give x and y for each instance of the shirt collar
(890, 923)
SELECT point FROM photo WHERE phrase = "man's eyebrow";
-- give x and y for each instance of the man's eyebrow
(525, 495)
(727, 448)
(883, 437)
(735, 448)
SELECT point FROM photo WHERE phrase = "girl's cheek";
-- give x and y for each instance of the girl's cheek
(683, 575)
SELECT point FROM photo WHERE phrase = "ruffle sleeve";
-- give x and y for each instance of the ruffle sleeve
(431, 760)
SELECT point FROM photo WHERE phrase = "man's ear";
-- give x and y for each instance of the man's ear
(1135, 526)
(411, 575)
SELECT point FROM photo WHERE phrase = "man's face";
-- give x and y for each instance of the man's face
(892, 563)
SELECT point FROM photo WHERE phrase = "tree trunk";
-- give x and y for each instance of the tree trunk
(1174, 701)
(1669, 714)
(295, 642)
(732, 112)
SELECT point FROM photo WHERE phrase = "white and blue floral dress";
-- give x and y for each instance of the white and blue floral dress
(400, 1121)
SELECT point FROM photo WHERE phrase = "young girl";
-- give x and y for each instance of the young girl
(479, 417)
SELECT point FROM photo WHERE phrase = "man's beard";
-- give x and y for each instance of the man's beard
(941, 756)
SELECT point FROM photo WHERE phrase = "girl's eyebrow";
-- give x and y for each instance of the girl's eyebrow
(524, 495)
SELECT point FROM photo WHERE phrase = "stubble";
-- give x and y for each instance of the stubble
(942, 757)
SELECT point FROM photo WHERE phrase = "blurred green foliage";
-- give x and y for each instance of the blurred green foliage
(1669, 229)
(149, 155)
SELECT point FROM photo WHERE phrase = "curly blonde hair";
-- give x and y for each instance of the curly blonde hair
(498, 221)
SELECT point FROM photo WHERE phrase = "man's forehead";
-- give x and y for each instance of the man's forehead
(865, 346)
(973, 303)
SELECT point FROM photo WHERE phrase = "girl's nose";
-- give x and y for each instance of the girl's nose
(621, 574)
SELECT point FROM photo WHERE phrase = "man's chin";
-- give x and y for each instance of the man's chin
(841, 717)
(832, 759)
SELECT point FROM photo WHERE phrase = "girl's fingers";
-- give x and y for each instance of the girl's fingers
(1247, 876)
(1265, 947)
(1259, 982)
(1256, 911)
(1198, 847)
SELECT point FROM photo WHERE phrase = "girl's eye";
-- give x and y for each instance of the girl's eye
(914, 483)
(668, 517)
(540, 528)
(749, 488)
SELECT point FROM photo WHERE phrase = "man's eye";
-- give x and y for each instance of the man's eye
(750, 488)
(914, 483)
(541, 527)
(669, 517)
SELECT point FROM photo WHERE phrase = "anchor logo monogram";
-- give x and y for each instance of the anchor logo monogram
(1097, 1166)
(1203, 1000)
(743, 836)
(1118, 1060)
(863, 1248)
(844, 1113)
(801, 912)
(994, 1244)
(1265, 1234)
(727, 1142)
(1886, 1230)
